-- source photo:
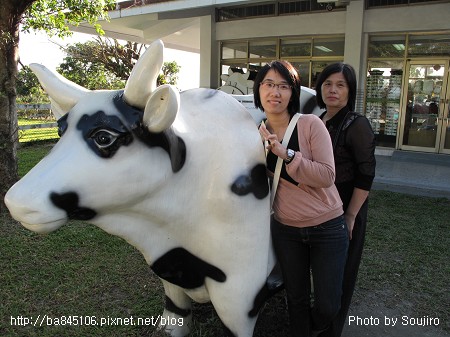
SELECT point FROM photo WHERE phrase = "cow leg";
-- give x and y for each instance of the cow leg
(177, 316)
(236, 320)
(233, 308)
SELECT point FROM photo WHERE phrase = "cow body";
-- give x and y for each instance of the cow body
(179, 176)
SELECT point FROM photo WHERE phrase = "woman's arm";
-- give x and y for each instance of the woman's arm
(362, 140)
(313, 165)
(359, 196)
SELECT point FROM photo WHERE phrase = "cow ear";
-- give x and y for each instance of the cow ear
(161, 108)
(63, 93)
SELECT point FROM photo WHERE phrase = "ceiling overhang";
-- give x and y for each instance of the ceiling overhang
(182, 34)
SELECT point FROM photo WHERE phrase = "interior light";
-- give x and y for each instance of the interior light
(399, 46)
(323, 48)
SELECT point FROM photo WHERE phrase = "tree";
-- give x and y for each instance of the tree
(28, 87)
(80, 67)
(107, 61)
(169, 74)
(117, 58)
(52, 16)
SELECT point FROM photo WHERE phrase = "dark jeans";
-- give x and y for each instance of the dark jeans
(355, 251)
(321, 249)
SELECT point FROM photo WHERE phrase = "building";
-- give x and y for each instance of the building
(399, 48)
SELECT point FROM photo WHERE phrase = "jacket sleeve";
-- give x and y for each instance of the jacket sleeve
(362, 143)
(313, 165)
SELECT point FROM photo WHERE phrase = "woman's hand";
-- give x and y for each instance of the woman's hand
(273, 144)
(350, 220)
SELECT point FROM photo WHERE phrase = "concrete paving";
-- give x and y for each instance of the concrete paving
(415, 173)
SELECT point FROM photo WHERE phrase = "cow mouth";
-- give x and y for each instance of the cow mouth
(45, 227)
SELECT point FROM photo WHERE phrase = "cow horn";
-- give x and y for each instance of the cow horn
(64, 94)
(142, 80)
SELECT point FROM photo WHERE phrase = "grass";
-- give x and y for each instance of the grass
(38, 134)
(407, 251)
(80, 270)
(26, 121)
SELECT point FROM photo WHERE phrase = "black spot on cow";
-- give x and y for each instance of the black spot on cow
(180, 267)
(310, 105)
(210, 93)
(255, 182)
(103, 133)
(69, 203)
(172, 307)
(62, 124)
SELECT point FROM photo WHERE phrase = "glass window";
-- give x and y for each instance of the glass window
(263, 49)
(256, 66)
(377, 3)
(236, 13)
(387, 46)
(328, 47)
(235, 67)
(303, 70)
(236, 78)
(295, 47)
(430, 45)
(383, 91)
(294, 7)
(234, 50)
(317, 68)
(253, 54)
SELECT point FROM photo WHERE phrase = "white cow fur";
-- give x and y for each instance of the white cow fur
(139, 198)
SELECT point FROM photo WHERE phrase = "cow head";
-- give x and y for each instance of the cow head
(96, 127)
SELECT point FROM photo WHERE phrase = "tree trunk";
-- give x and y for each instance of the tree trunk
(10, 16)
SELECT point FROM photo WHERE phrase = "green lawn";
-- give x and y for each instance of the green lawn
(37, 134)
(80, 270)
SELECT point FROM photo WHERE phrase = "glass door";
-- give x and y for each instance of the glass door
(445, 132)
(425, 106)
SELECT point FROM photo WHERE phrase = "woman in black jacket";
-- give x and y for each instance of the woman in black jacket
(354, 155)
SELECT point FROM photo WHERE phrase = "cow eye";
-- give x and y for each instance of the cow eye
(104, 138)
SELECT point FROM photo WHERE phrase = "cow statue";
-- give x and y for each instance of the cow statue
(180, 176)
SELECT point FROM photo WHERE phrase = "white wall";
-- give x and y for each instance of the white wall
(305, 24)
(424, 17)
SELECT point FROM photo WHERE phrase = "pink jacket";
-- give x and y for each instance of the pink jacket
(315, 199)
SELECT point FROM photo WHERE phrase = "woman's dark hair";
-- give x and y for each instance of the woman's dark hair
(289, 73)
(350, 77)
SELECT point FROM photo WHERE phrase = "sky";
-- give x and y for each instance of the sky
(39, 48)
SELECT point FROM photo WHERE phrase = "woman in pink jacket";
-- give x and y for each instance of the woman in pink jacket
(308, 228)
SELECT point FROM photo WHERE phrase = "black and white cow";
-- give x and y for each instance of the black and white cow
(179, 176)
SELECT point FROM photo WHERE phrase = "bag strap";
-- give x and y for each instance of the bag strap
(348, 119)
(277, 172)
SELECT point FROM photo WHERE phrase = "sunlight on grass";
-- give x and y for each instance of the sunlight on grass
(37, 134)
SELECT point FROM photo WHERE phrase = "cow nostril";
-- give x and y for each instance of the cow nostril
(69, 202)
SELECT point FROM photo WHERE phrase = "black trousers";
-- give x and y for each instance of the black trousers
(355, 250)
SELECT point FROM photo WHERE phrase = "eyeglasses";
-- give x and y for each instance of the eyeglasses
(271, 85)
